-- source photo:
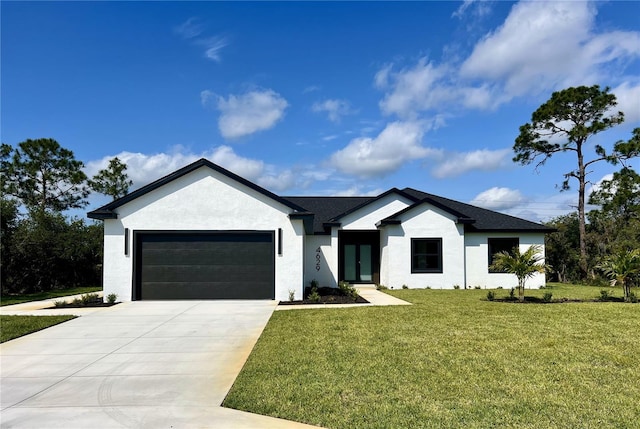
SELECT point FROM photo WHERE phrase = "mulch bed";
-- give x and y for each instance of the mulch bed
(328, 295)
(85, 304)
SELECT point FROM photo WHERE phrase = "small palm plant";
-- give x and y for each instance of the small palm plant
(523, 265)
(622, 268)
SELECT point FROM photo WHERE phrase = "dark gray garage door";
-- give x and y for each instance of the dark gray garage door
(220, 265)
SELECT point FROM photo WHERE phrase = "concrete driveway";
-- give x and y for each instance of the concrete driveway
(139, 364)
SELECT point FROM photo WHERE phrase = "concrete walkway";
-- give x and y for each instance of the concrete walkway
(41, 308)
(144, 364)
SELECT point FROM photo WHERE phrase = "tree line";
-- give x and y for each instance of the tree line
(41, 248)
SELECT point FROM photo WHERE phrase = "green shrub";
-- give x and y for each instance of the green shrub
(633, 297)
(405, 287)
(292, 294)
(314, 296)
(89, 298)
(512, 293)
(381, 287)
(547, 297)
(348, 290)
(491, 295)
(456, 287)
(59, 303)
(604, 295)
(111, 298)
(477, 287)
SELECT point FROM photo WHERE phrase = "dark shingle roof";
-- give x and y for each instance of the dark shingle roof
(331, 209)
(328, 210)
(484, 219)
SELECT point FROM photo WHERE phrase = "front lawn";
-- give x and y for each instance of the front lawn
(16, 326)
(451, 360)
(19, 299)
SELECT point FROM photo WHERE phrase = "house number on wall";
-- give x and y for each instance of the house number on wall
(318, 257)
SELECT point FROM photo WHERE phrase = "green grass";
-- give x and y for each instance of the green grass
(451, 360)
(19, 299)
(16, 326)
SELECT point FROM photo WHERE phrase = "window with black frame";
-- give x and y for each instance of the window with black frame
(426, 255)
(497, 245)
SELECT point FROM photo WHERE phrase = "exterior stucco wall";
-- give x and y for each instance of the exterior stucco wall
(422, 222)
(367, 216)
(477, 260)
(364, 218)
(203, 200)
(319, 261)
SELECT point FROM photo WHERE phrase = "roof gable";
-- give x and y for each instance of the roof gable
(107, 211)
(321, 213)
(483, 219)
(394, 219)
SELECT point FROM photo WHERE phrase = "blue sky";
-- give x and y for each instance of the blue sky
(325, 98)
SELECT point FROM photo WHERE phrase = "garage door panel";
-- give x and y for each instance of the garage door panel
(204, 290)
(178, 273)
(219, 265)
(224, 253)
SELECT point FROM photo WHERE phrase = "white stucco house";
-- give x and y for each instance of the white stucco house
(203, 232)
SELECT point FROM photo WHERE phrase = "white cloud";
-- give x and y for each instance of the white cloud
(429, 86)
(356, 191)
(213, 46)
(398, 143)
(145, 168)
(547, 45)
(597, 186)
(499, 198)
(483, 160)
(462, 9)
(189, 29)
(278, 182)
(206, 96)
(545, 208)
(224, 156)
(245, 114)
(381, 79)
(480, 8)
(628, 97)
(541, 46)
(334, 108)
(414, 89)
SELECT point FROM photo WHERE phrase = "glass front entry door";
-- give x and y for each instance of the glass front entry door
(358, 265)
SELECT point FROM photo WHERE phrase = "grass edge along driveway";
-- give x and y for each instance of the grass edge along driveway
(39, 296)
(16, 326)
(451, 360)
